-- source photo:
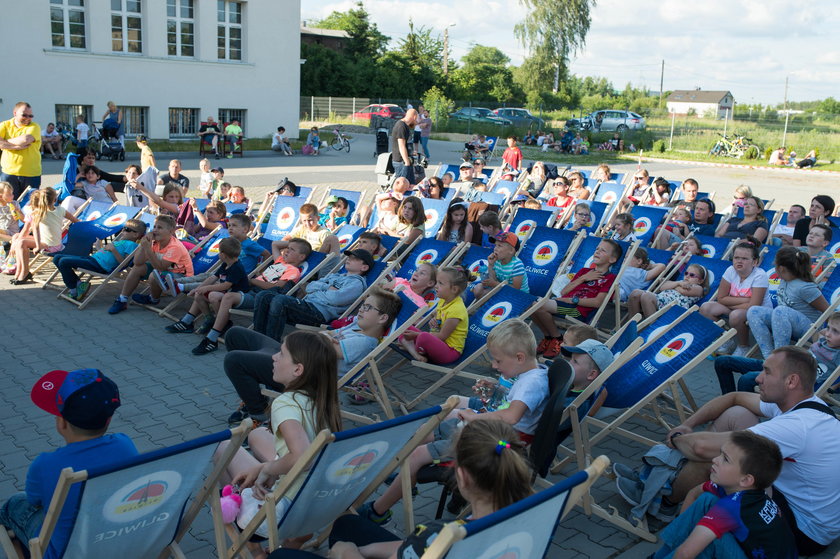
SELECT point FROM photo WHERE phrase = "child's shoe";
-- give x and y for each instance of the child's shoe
(366, 511)
(158, 279)
(180, 327)
(553, 348)
(206, 326)
(205, 346)
(172, 287)
(144, 299)
(81, 290)
(118, 307)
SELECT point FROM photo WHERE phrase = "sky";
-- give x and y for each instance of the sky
(747, 47)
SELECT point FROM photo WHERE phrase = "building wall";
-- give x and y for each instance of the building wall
(682, 108)
(266, 82)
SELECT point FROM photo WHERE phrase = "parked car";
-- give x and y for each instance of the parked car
(520, 117)
(478, 114)
(384, 110)
(611, 120)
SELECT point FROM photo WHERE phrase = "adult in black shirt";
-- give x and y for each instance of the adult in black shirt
(400, 134)
(209, 132)
(174, 175)
(822, 206)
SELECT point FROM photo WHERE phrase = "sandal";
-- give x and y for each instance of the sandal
(26, 279)
(355, 395)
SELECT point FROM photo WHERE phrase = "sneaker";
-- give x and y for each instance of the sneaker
(741, 351)
(118, 307)
(553, 348)
(144, 299)
(206, 326)
(81, 290)
(205, 347)
(625, 472)
(180, 328)
(366, 511)
(158, 279)
(630, 490)
(666, 513)
(543, 345)
(218, 155)
(230, 156)
(727, 348)
(172, 287)
(236, 417)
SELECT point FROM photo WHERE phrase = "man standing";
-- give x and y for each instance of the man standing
(174, 175)
(401, 133)
(20, 140)
(804, 427)
(209, 132)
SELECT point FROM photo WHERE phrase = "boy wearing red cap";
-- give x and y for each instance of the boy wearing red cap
(504, 265)
(83, 402)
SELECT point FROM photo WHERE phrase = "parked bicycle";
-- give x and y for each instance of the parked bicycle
(736, 146)
(340, 140)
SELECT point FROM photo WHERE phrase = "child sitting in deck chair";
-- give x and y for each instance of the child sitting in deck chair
(83, 402)
(517, 399)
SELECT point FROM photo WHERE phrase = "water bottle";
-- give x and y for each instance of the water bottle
(500, 395)
(483, 273)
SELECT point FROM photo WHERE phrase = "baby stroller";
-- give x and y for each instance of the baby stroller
(382, 143)
(110, 144)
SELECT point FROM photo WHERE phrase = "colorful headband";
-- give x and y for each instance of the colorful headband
(501, 446)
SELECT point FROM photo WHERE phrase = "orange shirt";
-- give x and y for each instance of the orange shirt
(177, 253)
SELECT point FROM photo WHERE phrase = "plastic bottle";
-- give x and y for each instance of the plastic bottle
(483, 273)
(500, 394)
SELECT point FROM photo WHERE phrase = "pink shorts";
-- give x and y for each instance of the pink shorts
(53, 250)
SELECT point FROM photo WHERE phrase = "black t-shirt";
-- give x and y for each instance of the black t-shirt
(800, 230)
(209, 129)
(182, 180)
(236, 275)
(400, 130)
(419, 541)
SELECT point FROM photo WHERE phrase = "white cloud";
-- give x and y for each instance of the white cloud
(745, 46)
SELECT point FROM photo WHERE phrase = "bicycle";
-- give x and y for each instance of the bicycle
(736, 147)
(340, 141)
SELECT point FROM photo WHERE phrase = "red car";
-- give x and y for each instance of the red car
(387, 110)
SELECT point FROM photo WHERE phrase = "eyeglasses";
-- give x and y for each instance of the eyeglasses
(364, 307)
(24, 115)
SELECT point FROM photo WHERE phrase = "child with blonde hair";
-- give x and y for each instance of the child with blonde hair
(10, 212)
(41, 232)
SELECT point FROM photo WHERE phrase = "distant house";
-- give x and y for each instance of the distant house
(682, 101)
(333, 39)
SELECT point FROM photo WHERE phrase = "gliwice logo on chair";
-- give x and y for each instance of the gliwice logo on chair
(642, 225)
(524, 228)
(343, 241)
(545, 253)
(141, 496)
(431, 216)
(356, 462)
(426, 257)
(117, 219)
(496, 314)
(286, 218)
(673, 348)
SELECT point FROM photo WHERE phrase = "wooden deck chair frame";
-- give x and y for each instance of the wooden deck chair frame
(268, 511)
(822, 391)
(38, 545)
(578, 485)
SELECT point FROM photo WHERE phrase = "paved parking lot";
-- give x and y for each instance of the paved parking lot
(170, 396)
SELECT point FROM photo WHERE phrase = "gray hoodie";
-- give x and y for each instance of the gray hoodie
(331, 303)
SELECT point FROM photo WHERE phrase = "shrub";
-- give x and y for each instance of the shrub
(752, 153)
(767, 152)
(659, 146)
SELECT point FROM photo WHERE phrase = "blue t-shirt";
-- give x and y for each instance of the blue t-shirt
(106, 258)
(250, 255)
(43, 474)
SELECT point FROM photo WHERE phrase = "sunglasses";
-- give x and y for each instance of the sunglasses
(24, 115)
(129, 230)
(691, 275)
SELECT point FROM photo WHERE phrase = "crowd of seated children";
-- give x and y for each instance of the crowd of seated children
(503, 265)
(685, 293)
(42, 232)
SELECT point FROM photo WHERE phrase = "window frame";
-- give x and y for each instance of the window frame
(124, 15)
(230, 114)
(67, 37)
(179, 21)
(224, 28)
(184, 130)
(66, 113)
(130, 114)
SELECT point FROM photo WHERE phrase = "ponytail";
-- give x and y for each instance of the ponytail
(458, 276)
(796, 261)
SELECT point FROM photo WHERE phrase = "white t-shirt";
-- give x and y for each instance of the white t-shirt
(82, 129)
(277, 139)
(781, 229)
(530, 388)
(743, 288)
(810, 478)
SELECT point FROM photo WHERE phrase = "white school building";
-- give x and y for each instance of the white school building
(168, 64)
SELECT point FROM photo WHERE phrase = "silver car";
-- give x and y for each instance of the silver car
(609, 120)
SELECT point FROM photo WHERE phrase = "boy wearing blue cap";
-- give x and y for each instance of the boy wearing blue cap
(83, 402)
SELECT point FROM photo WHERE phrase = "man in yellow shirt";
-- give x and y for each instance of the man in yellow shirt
(20, 140)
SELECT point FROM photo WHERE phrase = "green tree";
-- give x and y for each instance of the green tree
(479, 54)
(829, 105)
(366, 41)
(484, 76)
(552, 31)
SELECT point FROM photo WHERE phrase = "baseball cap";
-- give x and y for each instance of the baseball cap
(362, 255)
(478, 160)
(600, 354)
(506, 237)
(85, 397)
(465, 165)
(140, 138)
(219, 169)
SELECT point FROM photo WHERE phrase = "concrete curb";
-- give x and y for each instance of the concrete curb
(731, 165)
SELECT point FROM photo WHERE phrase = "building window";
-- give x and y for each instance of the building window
(65, 115)
(226, 116)
(134, 120)
(229, 16)
(67, 23)
(180, 27)
(126, 26)
(183, 123)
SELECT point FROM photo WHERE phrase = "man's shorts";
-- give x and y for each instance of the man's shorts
(150, 268)
(567, 309)
(247, 300)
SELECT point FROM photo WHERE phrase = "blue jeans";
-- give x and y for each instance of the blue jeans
(273, 311)
(403, 170)
(424, 141)
(20, 183)
(726, 366)
(66, 264)
(23, 518)
(678, 531)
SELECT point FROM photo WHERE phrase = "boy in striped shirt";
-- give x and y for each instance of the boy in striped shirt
(503, 265)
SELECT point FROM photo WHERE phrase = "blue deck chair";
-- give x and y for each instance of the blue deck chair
(523, 529)
(473, 259)
(646, 220)
(284, 218)
(665, 318)
(304, 192)
(659, 256)
(491, 198)
(68, 177)
(505, 303)
(94, 210)
(347, 235)
(599, 211)
(449, 169)
(389, 243)
(435, 214)
(834, 246)
(713, 247)
(545, 254)
(140, 507)
(525, 220)
(353, 197)
(586, 250)
(339, 471)
(609, 192)
(506, 188)
(491, 142)
(716, 269)
(427, 251)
